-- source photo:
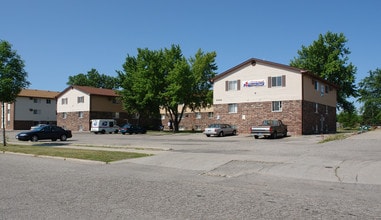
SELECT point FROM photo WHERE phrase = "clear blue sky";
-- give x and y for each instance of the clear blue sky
(62, 38)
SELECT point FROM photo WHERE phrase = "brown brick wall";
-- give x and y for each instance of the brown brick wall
(249, 114)
(321, 121)
(191, 121)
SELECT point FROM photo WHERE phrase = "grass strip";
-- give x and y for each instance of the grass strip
(335, 137)
(96, 155)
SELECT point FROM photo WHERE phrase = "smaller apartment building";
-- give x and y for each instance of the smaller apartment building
(30, 108)
(196, 120)
(78, 105)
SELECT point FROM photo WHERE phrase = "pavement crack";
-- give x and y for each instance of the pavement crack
(337, 175)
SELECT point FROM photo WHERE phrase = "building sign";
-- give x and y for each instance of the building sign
(253, 83)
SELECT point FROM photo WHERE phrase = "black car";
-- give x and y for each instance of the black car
(132, 129)
(45, 132)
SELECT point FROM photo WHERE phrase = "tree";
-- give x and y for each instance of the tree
(327, 57)
(370, 90)
(94, 79)
(348, 119)
(166, 79)
(12, 78)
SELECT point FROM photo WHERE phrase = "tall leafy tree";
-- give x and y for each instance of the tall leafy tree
(95, 79)
(13, 77)
(328, 58)
(166, 79)
(370, 90)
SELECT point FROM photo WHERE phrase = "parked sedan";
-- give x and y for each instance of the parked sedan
(220, 130)
(132, 129)
(45, 132)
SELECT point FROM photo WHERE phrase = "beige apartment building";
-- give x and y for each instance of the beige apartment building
(256, 90)
(78, 105)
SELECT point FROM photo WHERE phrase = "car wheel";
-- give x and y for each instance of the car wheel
(234, 133)
(103, 132)
(274, 135)
(123, 133)
(34, 138)
(208, 135)
(256, 136)
(221, 134)
(63, 137)
(285, 134)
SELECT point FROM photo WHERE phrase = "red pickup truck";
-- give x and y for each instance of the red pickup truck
(269, 128)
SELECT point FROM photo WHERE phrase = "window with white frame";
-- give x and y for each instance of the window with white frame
(277, 81)
(232, 108)
(80, 99)
(198, 115)
(64, 115)
(276, 106)
(80, 114)
(162, 116)
(233, 85)
(64, 101)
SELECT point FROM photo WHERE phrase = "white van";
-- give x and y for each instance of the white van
(104, 126)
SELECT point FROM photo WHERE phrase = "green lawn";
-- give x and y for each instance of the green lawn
(96, 155)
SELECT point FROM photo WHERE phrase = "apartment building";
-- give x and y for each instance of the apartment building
(257, 89)
(30, 108)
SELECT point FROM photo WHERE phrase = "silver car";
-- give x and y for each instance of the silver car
(220, 130)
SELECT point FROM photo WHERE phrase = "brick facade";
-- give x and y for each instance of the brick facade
(249, 114)
(192, 121)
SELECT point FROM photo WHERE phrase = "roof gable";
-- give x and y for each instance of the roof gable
(91, 91)
(254, 61)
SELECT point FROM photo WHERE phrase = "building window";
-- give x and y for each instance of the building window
(316, 107)
(64, 101)
(232, 85)
(48, 101)
(232, 108)
(316, 85)
(198, 115)
(276, 106)
(80, 114)
(197, 128)
(162, 117)
(117, 114)
(36, 100)
(326, 109)
(37, 111)
(80, 99)
(277, 81)
(64, 115)
(210, 114)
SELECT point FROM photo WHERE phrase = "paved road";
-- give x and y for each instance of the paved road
(201, 178)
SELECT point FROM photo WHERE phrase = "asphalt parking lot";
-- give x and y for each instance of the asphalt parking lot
(353, 160)
(191, 176)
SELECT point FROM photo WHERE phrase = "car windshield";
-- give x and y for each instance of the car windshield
(39, 128)
(214, 126)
